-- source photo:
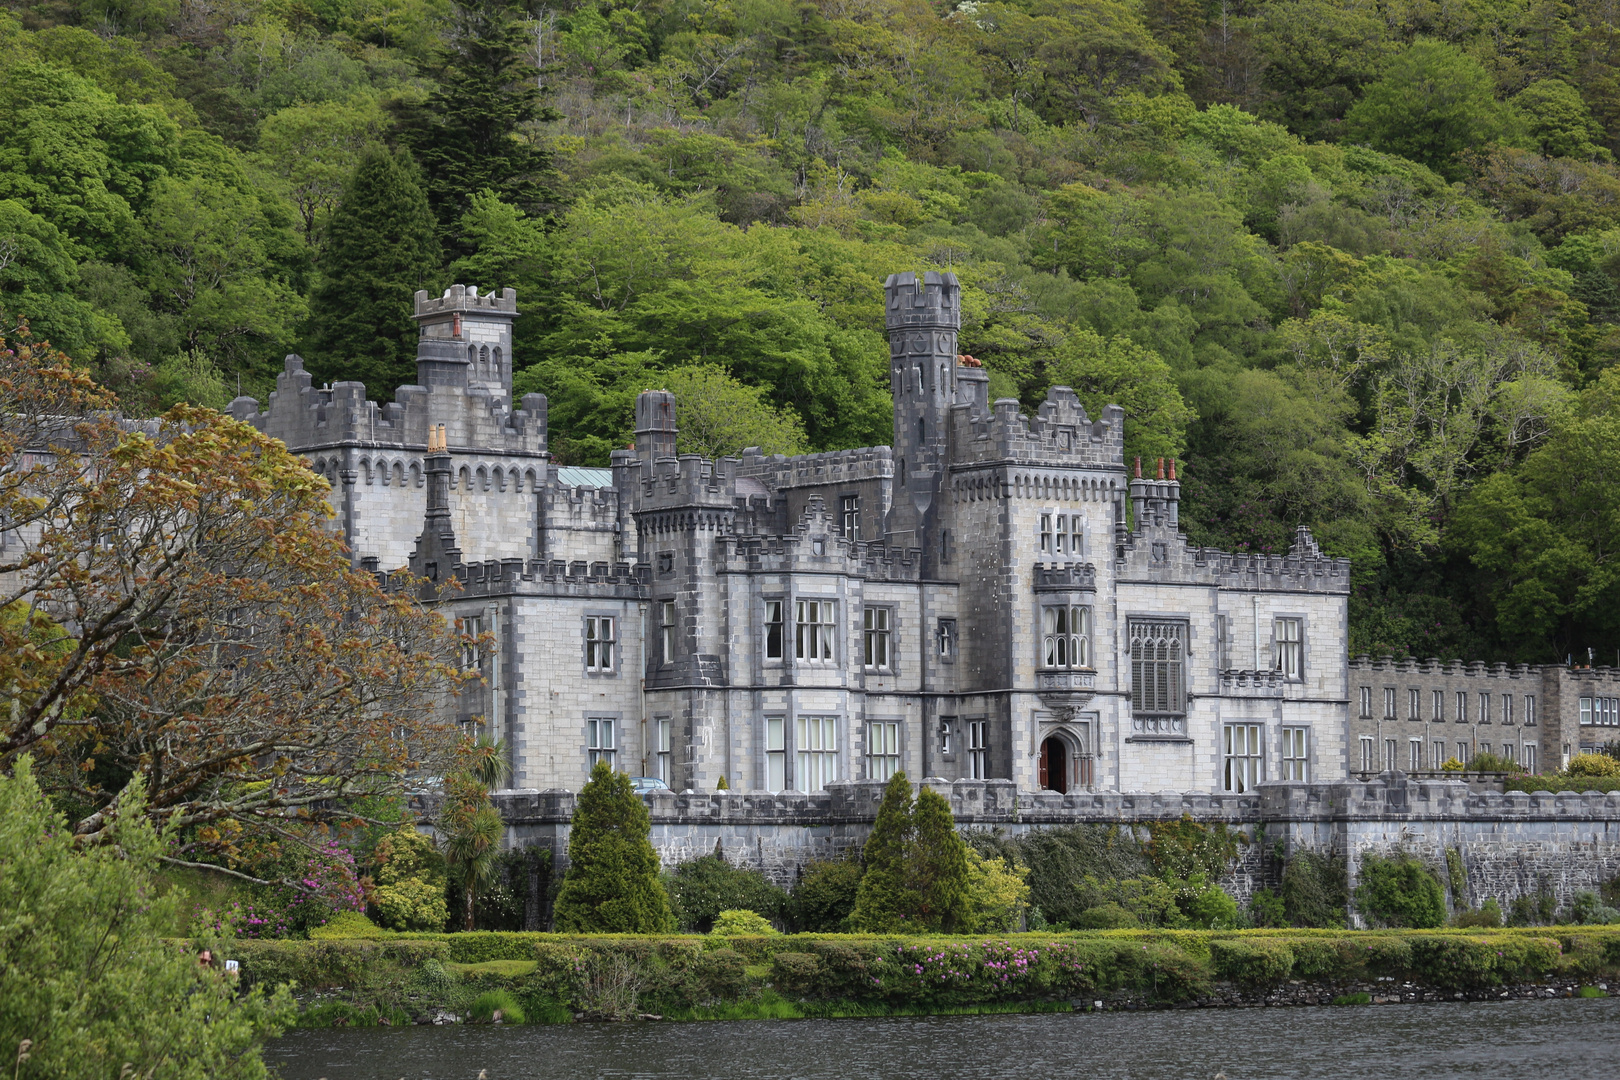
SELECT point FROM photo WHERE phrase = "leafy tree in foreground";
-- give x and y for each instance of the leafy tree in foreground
(84, 974)
(220, 644)
(612, 881)
(380, 248)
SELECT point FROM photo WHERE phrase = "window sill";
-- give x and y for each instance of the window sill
(1187, 739)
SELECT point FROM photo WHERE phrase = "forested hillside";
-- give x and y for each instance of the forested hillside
(1354, 263)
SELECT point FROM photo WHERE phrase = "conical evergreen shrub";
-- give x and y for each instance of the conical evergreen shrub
(941, 874)
(885, 901)
(612, 882)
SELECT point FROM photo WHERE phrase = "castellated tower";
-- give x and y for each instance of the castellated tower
(466, 339)
(922, 321)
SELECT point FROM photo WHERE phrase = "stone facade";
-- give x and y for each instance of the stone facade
(1415, 715)
(994, 596)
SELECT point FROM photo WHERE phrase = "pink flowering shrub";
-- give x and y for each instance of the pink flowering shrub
(308, 889)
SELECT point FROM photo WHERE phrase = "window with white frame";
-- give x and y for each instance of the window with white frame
(1462, 752)
(666, 630)
(1414, 755)
(1509, 751)
(1390, 764)
(1439, 754)
(1366, 702)
(662, 757)
(1439, 705)
(775, 631)
(947, 732)
(1462, 706)
(1046, 534)
(1061, 545)
(816, 757)
(1290, 637)
(1529, 760)
(1223, 643)
(882, 750)
(775, 753)
(599, 642)
(599, 740)
(1158, 680)
(1484, 748)
(978, 749)
(472, 650)
(813, 630)
(850, 507)
(1244, 755)
(1484, 707)
(876, 631)
(1600, 711)
(1507, 708)
(1368, 760)
(946, 638)
(1414, 705)
(1065, 636)
(1296, 753)
(1389, 703)
(1529, 710)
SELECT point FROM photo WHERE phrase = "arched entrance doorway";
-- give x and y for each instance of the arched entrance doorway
(1054, 770)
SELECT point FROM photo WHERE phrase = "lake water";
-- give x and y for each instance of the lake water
(1523, 1040)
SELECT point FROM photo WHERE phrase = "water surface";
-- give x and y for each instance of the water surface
(1561, 1039)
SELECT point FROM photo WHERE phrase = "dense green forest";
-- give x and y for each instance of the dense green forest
(1354, 262)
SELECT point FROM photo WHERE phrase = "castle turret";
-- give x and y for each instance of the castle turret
(466, 339)
(922, 319)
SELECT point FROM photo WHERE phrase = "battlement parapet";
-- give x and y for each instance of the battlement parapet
(1061, 432)
(933, 303)
(780, 472)
(687, 480)
(538, 577)
(476, 418)
(464, 298)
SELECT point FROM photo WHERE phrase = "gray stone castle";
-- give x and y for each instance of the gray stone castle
(993, 597)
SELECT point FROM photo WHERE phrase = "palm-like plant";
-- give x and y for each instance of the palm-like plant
(472, 827)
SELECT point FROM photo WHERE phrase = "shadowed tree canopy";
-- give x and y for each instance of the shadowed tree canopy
(380, 248)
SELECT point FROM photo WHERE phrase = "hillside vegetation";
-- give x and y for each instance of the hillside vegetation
(1354, 263)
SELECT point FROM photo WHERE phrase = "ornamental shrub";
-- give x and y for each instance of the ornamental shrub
(700, 889)
(886, 899)
(1489, 915)
(1109, 916)
(824, 897)
(998, 893)
(1068, 865)
(345, 924)
(612, 881)
(939, 869)
(1266, 908)
(741, 923)
(1400, 890)
(1592, 765)
(408, 891)
(1314, 890)
(1206, 906)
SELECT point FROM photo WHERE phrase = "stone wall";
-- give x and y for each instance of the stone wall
(1512, 845)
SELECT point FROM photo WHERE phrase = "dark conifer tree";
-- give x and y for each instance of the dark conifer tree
(612, 882)
(475, 131)
(380, 247)
(886, 901)
(939, 866)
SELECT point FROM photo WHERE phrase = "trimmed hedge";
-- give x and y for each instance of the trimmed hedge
(620, 975)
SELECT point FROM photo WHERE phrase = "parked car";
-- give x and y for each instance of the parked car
(643, 785)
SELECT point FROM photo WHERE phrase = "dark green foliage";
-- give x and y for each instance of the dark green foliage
(1400, 890)
(1109, 916)
(825, 895)
(1255, 963)
(1180, 849)
(612, 881)
(1266, 908)
(475, 131)
(887, 897)
(700, 889)
(1060, 861)
(502, 903)
(380, 248)
(916, 878)
(1489, 916)
(1537, 910)
(1314, 890)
